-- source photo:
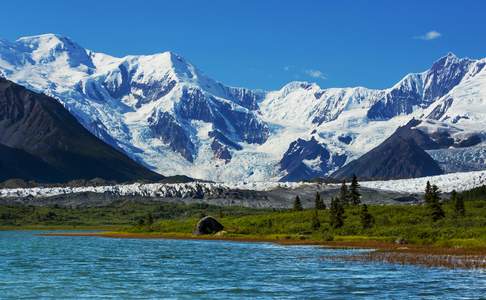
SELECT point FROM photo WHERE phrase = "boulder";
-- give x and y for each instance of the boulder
(208, 225)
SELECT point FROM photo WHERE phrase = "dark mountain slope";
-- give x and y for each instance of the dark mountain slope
(55, 147)
(399, 156)
(16, 163)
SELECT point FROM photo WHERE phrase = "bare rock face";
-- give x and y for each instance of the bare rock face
(402, 155)
(208, 225)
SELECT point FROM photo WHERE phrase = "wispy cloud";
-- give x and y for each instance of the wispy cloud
(315, 74)
(428, 36)
(286, 68)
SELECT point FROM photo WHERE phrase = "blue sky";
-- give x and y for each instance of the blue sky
(265, 44)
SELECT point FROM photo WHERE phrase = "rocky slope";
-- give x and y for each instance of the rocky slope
(42, 141)
(402, 155)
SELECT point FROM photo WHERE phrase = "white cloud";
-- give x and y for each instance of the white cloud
(431, 35)
(286, 68)
(315, 74)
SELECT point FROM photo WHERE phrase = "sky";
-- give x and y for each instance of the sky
(265, 44)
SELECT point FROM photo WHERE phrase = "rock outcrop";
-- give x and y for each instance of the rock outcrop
(208, 225)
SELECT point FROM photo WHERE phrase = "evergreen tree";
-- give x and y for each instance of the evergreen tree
(316, 224)
(320, 205)
(298, 204)
(344, 194)
(428, 193)
(149, 220)
(367, 219)
(458, 201)
(336, 213)
(453, 198)
(354, 194)
(435, 207)
(478, 193)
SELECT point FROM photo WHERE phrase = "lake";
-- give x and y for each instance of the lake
(90, 267)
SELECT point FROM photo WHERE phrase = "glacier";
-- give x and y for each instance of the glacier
(460, 181)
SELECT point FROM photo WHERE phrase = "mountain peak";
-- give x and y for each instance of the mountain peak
(47, 41)
(46, 48)
(296, 85)
(44, 37)
(448, 60)
(450, 55)
(156, 64)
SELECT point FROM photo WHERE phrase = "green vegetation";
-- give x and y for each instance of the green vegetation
(381, 223)
(118, 215)
(319, 203)
(336, 213)
(344, 194)
(367, 220)
(316, 223)
(298, 204)
(439, 222)
(458, 201)
(478, 193)
(432, 200)
(451, 222)
(354, 194)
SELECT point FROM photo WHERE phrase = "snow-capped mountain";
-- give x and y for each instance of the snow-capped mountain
(164, 112)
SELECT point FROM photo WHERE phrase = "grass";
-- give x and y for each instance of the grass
(392, 222)
(410, 223)
(115, 216)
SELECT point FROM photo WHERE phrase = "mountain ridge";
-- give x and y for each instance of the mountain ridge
(164, 112)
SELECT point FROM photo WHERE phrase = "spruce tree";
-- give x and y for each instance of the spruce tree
(298, 204)
(367, 219)
(344, 194)
(316, 224)
(150, 220)
(336, 213)
(458, 201)
(435, 207)
(453, 198)
(319, 203)
(354, 194)
(428, 193)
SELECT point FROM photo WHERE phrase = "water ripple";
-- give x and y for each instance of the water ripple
(87, 267)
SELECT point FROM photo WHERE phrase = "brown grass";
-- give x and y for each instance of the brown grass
(428, 260)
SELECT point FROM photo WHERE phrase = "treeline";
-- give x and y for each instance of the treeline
(478, 193)
(126, 213)
(350, 196)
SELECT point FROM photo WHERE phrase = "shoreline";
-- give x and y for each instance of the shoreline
(385, 252)
(103, 228)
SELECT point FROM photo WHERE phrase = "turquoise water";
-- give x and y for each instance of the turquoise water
(89, 267)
